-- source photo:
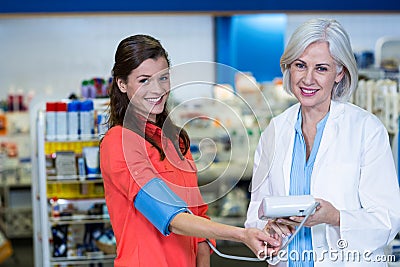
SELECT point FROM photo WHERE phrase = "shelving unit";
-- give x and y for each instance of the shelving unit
(15, 176)
(15, 215)
(76, 215)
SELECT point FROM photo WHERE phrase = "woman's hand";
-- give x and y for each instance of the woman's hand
(256, 240)
(279, 230)
(325, 213)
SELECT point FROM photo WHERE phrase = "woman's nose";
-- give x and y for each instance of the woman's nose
(155, 86)
(161, 87)
(308, 77)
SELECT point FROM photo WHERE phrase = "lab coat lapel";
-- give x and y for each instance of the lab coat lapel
(330, 131)
(288, 143)
(287, 163)
(328, 137)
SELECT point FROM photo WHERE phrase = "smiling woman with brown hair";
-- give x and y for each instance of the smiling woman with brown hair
(141, 144)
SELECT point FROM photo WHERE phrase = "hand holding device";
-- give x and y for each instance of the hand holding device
(272, 207)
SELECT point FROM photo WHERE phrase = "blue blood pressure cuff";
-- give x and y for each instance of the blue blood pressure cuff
(159, 204)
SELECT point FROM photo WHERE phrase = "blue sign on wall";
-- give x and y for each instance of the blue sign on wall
(250, 43)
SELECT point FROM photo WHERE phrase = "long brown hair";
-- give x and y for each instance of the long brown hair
(131, 52)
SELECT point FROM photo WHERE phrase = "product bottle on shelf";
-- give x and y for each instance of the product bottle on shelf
(86, 120)
(20, 100)
(84, 89)
(55, 207)
(51, 123)
(10, 101)
(91, 89)
(61, 119)
(73, 120)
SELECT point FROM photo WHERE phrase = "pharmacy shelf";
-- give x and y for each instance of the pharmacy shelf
(74, 178)
(79, 219)
(16, 222)
(76, 193)
(83, 260)
(15, 209)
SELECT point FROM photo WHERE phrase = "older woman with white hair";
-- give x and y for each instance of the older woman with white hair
(331, 149)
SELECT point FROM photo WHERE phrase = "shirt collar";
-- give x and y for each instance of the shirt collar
(152, 130)
(154, 133)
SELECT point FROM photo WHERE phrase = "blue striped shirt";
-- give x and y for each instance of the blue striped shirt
(300, 177)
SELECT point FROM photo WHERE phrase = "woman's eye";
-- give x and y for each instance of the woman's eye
(164, 78)
(322, 69)
(144, 81)
(300, 66)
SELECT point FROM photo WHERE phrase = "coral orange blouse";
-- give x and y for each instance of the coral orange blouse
(127, 162)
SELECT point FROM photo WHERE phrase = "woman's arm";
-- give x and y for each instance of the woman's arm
(191, 225)
(203, 255)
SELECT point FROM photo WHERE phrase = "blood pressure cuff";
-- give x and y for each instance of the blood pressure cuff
(159, 204)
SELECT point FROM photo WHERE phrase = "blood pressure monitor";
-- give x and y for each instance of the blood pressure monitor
(285, 206)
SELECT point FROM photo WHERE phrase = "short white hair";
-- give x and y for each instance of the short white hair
(332, 32)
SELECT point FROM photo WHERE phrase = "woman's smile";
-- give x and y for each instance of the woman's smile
(155, 101)
(308, 92)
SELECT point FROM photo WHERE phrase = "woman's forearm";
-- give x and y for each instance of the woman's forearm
(192, 225)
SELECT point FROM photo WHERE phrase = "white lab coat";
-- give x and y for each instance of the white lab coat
(353, 170)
